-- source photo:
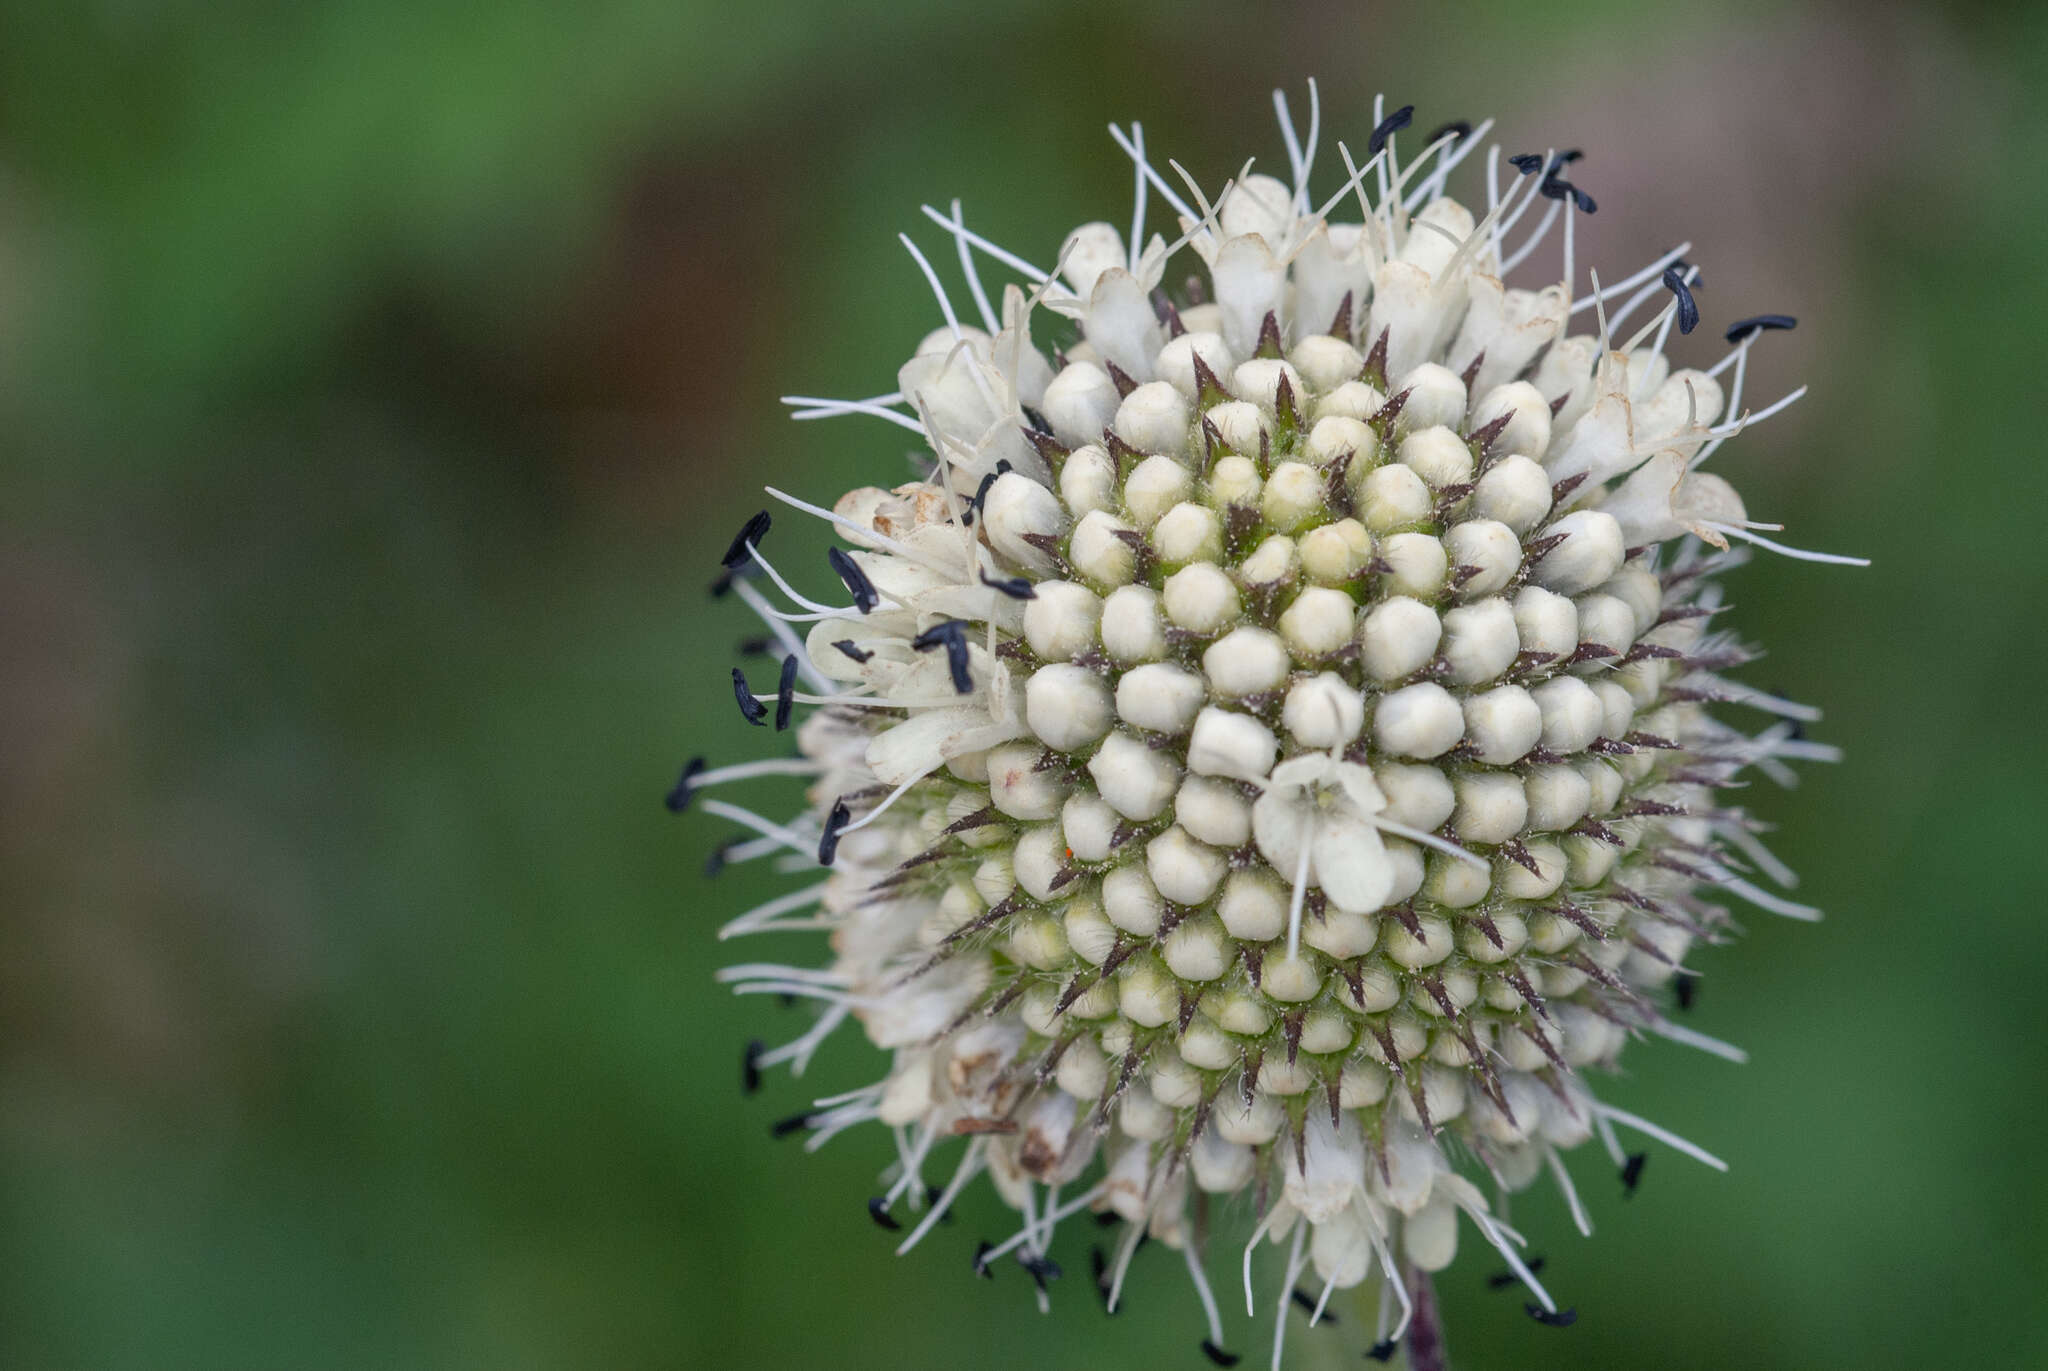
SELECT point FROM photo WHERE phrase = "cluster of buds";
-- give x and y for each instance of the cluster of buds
(1273, 752)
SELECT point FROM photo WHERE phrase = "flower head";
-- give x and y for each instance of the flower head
(1274, 752)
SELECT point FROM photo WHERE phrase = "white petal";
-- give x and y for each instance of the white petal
(1351, 863)
(1257, 204)
(1409, 1166)
(1297, 772)
(1508, 327)
(1121, 323)
(1335, 261)
(1089, 251)
(1642, 503)
(1280, 824)
(955, 388)
(1404, 307)
(925, 740)
(1341, 1250)
(1249, 285)
(1334, 1169)
(1602, 442)
(1704, 498)
(1014, 354)
(1361, 787)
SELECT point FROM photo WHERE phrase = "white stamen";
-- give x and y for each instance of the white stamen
(1029, 1234)
(1379, 116)
(1686, 1037)
(1295, 161)
(1535, 238)
(1000, 254)
(932, 279)
(886, 543)
(1300, 889)
(1448, 163)
(1443, 845)
(769, 766)
(970, 1165)
(1603, 1110)
(1136, 247)
(789, 838)
(1126, 1249)
(1735, 426)
(1322, 1302)
(912, 1162)
(865, 1092)
(858, 698)
(813, 407)
(791, 645)
(749, 850)
(1315, 133)
(1734, 355)
(789, 616)
(988, 315)
(754, 971)
(898, 793)
(827, 1126)
(1737, 692)
(1652, 272)
(1204, 1293)
(1354, 181)
(1571, 1192)
(801, 989)
(1797, 554)
(1151, 173)
(1806, 751)
(1030, 1223)
(1752, 847)
(1493, 200)
(1534, 180)
(1209, 218)
(1498, 1233)
(1608, 1140)
(1636, 302)
(1294, 1264)
(1388, 1267)
(1571, 221)
(1761, 898)
(783, 584)
(760, 918)
(894, 397)
(1251, 1246)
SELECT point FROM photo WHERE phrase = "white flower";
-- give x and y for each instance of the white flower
(1319, 819)
(1272, 753)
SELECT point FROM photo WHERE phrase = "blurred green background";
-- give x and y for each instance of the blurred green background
(379, 380)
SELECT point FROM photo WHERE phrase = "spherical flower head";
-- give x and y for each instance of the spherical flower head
(1275, 751)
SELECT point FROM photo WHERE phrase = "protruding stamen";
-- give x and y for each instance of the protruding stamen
(678, 798)
(1388, 127)
(835, 824)
(951, 634)
(814, 407)
(1675, 281)
(1757, 323)
(746, 540)
(1608, 1112)
(865, 597)
(751, 709)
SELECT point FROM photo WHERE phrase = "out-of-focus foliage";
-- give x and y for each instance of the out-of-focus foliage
(378, 383)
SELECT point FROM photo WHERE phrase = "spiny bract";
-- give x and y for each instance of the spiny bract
(1271, 753)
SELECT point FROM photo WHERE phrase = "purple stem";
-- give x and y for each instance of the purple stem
(1425, 1329)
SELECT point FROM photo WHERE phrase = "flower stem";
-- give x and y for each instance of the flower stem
(1426, 1329)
